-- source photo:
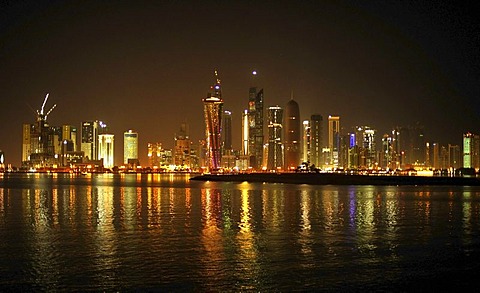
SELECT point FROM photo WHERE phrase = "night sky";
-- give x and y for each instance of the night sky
(147, 65)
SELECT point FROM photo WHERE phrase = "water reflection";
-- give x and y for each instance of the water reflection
(125, 232)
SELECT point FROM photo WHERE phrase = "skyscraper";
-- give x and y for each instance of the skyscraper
(130, 146)
(212, 107)
(334, 139)
(227, 147)
(255, 120)
(471, 150)
(106, 149)
(306, 136)
(154, 152)
(292, 135)
(316, 137)
(89, 143)
(275, 144)
(69, 134)
(181, 156)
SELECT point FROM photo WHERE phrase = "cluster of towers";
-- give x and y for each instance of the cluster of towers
(45, 146)
(281, 141)
(282, 150)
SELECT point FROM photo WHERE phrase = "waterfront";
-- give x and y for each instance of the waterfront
(106, 232)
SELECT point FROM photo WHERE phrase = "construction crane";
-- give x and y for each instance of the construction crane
(41, 115)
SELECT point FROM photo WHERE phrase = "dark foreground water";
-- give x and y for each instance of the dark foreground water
(162, 232)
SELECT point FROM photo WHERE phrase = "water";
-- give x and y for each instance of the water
(162, 232)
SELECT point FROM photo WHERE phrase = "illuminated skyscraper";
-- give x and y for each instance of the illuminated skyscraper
(275, 144)
(292, 135)
(26, 142)
(154, 151)
(256, 121)
(365, 140)
(334, 139)
(69, 134)
(227, 147)
(213, 107)
(306, 136)
(245, 133)
(316, 137)
(130, 146)
(41, 152)
(471, 150)
(89, 143)
(106, 149)
(182, 147)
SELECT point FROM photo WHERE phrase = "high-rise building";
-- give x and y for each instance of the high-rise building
(130, 146)
(256, 121)
(365, 138)
(154, 152)
(245, 133)
(182, 147)
(292, 135)
(26, 142)
(334, 139)
(89, 143)
(227, 146)
(213, 107)
(106, 149)
(69, 134)
(386, 154)
(471, 150)
(306, 136)
(275, 143)
(454, 156)
(316, 137)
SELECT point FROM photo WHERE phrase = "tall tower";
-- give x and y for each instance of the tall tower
(227, 146)
(212, 108)
(471, 150)
(106, 150)
(255, 120)
(89, 143)
(292, 135)
(316, 136)
(306, 136)
(181, 156)
(334, 139)
(275, 145)
(130, 146)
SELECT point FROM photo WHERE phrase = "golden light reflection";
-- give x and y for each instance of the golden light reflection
(305, 240)
(211, 235)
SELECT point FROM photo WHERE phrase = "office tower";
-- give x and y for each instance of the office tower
(275, 145)
(213, 106)
(454, 156)
(227, 147)
(316, 137)
(69, 133)
(106, 149)
(182, 147)
(245, 133)
(41, 152)
(365, 138)
(334, 139)
(26, 142)
(386, 154)
(435, 161)
(292, 135)
(471, 150)
(153, 153)
(130, 147)
(256, 137)
(89, 143)
(306, 136)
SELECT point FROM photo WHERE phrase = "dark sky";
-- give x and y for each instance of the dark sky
(146, 65)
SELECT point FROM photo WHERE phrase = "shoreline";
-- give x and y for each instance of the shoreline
(339, 179)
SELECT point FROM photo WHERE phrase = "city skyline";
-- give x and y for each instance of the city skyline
(376, 65)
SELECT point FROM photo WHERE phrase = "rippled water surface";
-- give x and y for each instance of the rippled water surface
(163, 232)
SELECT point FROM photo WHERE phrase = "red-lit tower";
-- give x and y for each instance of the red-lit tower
(213, 107)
